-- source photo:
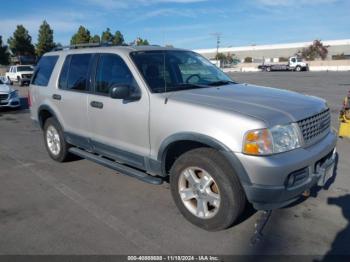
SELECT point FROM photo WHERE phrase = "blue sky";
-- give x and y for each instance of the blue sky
(186, 23)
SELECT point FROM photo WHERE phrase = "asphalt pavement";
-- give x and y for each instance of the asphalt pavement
(83, 208)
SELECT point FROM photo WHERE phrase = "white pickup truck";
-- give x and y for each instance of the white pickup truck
(20, 73)
(294, 64)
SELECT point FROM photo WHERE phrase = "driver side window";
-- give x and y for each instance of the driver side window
(112, 70)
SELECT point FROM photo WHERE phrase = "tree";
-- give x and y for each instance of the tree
(314, 51)
(107, 36)
(140, 41)
(341, 56)
(95, 39)
(248, 59)
(45, 39)
(283, 59)
(82, 36)
(21, 42)
(220, 57)
(4, 54)
(118, 38)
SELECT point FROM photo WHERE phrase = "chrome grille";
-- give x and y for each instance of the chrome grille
(315, 127)
(3, 96)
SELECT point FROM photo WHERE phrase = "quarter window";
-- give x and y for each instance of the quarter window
(112, 70)
(44, 70)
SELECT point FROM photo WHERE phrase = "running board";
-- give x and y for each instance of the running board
(116, 166)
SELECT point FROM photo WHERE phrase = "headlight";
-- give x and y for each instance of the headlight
(278, 139)
(14, 94)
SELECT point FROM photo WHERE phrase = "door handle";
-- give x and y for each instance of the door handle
(56, 97)
(96, 104)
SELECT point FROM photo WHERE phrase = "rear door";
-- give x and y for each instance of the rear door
(71, 98)
(119, 129)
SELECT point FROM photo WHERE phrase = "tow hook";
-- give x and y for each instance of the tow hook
(259, 226)
(306, 193)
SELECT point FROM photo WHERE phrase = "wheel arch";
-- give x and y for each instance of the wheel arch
(45, 112)
(180, 143)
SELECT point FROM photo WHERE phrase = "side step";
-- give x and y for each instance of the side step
(116, 166)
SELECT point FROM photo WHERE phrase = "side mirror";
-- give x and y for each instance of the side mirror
(120, 92)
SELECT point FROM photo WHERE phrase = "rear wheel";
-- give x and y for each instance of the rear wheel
(206, 189)
(55, 144)
(268, 69)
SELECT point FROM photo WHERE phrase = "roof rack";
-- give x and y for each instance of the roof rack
(89, 45)
(85, 45)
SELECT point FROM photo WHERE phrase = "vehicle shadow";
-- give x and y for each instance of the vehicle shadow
(340, 245)
(248, 212)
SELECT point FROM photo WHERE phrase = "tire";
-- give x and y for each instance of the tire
(268, 69)
(19, 80)
(229, 205)
(61, 154)
(10, 81)
(298, 69)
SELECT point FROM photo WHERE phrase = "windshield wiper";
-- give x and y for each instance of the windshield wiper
(221, 83)
(184, 86)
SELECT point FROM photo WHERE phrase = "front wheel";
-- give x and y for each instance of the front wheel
(206, 189)
(10, 81)
(298, 69)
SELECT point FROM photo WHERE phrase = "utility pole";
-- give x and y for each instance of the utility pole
(218, 41)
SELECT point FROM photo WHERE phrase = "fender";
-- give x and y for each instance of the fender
(210, 142)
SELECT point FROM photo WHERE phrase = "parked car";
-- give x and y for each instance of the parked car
(20, 73)
(8, 96)
(294, 64)
(153, 112)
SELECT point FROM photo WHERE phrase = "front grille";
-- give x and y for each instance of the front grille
(3, 96)
(316, 127)
(26, 76)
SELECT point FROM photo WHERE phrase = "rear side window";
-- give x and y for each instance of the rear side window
(74, 73)
(44, 70)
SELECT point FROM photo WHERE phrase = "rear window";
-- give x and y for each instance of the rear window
(44, 70)
(74, 73)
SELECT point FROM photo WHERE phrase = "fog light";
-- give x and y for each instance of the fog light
(291, 180)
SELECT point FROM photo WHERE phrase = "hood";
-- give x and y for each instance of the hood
(271, 105)
(25, 72)
(5, 89)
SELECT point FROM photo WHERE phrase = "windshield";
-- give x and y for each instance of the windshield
(167, 71)
(24, 68)
(1, 82)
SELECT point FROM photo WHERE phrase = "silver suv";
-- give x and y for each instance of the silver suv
(158, 113)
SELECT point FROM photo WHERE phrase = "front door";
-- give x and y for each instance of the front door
(119, 128)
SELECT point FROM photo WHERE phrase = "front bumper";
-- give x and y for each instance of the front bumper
(12, 102)
(269, 186)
